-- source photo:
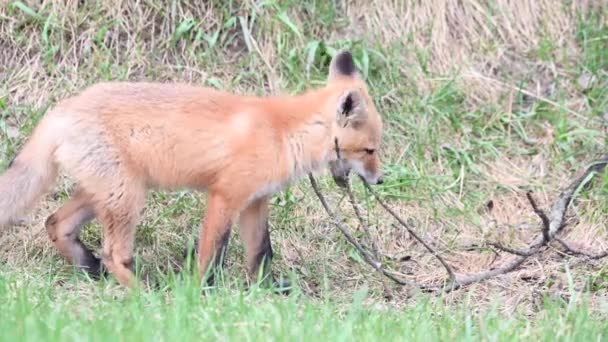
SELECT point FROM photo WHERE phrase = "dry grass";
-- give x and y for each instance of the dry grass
(447, 76)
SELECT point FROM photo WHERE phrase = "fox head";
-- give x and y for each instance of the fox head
(357, 128)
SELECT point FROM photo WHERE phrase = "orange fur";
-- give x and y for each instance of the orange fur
(117, 140)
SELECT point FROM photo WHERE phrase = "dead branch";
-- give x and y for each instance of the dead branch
(551, 226)
(543, 217)
(369, 259)
(364, 226)
(573, 251)
(353, 202)
(509, 250)
(561, 204)
(409, 229)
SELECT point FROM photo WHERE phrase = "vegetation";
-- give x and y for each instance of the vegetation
(482, 100)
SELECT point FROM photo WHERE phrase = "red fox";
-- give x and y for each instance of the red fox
(118, 140)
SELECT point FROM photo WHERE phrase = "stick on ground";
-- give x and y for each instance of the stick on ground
(377, 265)
(551, 226)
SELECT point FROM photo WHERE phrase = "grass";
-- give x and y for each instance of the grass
(480, 103)
(35, 311)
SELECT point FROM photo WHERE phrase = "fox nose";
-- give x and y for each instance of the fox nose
(380, 180)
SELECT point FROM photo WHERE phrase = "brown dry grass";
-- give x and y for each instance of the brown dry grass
(460, 143)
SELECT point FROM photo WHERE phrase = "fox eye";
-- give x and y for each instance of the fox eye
(369, 151)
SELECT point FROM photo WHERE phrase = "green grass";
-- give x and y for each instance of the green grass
(453, 144)
(33, 310)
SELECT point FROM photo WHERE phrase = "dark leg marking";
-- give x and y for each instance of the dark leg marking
(219, 258)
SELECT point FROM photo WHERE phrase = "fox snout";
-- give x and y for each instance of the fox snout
(340, 170)
(372, 178)
(368, 169)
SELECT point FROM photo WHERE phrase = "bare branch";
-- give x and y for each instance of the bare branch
(447, 266)
(542, 215)
(571, 250)
(364, 226)
(560, 206)
(556, 224)
(551, 226)
(353, 202)
(337, 222)
(510, 250)
(377, 265)
(482, 276)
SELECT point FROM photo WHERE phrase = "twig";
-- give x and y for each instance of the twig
(338, 223)
(561, 204)
(365, 254)
(353, 202)
(447, 266)
(365, 227)
(479, 277)
(509, 249)
(543, 217)
(571, 250)
(556, 224)
(551, 226)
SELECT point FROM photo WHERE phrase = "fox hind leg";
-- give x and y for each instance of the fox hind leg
(119, 212)
(64, 226)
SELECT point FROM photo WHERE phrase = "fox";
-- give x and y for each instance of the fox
(119, 140)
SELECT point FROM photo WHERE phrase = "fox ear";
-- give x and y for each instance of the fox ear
(351, 108)
(342, 65)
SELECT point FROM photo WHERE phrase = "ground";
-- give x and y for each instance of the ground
(482, 102)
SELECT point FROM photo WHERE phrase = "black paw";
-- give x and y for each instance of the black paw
(94, 268)
(282, 287)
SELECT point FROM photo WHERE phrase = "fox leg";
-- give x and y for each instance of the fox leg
(119, 212)
(254, 232)
(215, 233)
(64, 227)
